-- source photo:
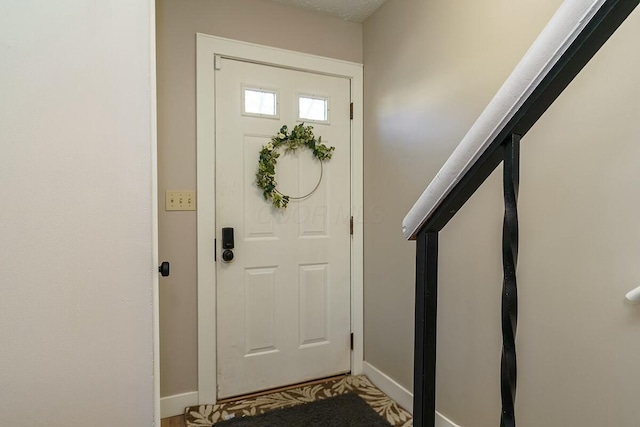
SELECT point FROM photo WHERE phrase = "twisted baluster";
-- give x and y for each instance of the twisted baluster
(508, 372)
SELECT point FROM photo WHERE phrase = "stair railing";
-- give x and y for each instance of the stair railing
(575, 33)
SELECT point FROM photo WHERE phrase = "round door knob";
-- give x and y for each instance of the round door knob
(164, 269)
(227, 255)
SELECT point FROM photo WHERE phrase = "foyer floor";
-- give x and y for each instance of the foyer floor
(206, 415)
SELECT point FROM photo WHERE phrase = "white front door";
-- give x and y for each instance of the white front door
(283, 303)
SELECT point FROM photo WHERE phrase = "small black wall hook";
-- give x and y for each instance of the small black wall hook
(164, 269)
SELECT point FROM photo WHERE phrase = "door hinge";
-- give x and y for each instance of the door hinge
(351, 226)
(351, 340)
(215, 249)
(351, 111)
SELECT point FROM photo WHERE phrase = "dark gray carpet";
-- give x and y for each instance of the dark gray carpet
(347, 410)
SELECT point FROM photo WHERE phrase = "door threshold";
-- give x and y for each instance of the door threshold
(280, 389)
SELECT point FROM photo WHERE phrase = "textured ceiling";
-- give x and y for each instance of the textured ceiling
(350, 10)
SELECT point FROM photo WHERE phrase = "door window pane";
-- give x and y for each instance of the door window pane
(313, 108)
(262, 102)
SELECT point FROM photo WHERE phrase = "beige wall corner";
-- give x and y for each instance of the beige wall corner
(257, 21)
(430, 69)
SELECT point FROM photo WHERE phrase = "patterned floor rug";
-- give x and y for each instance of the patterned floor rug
(208, 415)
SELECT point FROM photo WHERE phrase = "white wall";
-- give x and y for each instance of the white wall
(76, 247)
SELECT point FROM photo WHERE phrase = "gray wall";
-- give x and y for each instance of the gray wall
(430, 69)
(256, 21)
(77, 251)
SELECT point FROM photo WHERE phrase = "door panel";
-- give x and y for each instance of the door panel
(283, 303)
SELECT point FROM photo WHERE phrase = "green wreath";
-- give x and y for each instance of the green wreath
(300, 136)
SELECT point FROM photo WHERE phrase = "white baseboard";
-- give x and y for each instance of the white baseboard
(442, 421)
(171, 406)
(389, 386)
(398, 393)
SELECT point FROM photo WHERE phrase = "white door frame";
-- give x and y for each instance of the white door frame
(209, 50)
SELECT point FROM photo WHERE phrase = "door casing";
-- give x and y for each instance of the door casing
(208, 50)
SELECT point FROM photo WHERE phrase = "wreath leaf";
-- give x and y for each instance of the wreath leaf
(300, 136)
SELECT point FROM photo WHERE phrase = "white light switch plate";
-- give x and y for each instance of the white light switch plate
(180, 200)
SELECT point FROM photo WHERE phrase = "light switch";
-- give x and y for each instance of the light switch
(180, 200)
